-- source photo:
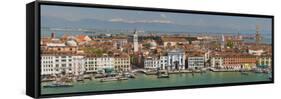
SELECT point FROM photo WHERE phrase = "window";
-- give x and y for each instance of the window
(63, 65)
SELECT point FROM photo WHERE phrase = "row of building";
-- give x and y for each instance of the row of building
(175, 59)
(52, 64)
(238, 61)
(179, 60)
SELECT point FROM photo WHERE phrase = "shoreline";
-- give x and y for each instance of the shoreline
(91, 77)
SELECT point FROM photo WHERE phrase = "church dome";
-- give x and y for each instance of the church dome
(153, 45)
(71, 43)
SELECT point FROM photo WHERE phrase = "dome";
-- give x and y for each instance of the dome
(71, 43)
(153, 45)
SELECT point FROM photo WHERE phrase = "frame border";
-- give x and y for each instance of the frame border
(87, 5)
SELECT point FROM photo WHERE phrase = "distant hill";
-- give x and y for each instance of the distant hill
(93, 23)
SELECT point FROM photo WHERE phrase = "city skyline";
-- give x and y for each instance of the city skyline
(100, 49)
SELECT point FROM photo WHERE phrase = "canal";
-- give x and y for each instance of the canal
(151, 81)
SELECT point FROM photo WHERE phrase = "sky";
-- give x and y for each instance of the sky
(62, 16)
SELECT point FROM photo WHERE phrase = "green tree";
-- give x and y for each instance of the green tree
(229, 44)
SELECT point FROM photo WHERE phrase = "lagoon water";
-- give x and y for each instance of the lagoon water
(151, 81)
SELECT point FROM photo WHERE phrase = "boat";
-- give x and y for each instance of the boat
(258, 71)
(113, 79)
(128, 75)
(122, 78)
(163, 74)
(108, 79)
(244, 73)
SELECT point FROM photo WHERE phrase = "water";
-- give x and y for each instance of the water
(151, 81)
(46, 32)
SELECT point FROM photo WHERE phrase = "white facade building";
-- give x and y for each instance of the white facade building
(151, 63)
(96, 64)
(265, 62)
(195, 62)
(90, 64)
(78, 64)
(57, 64)
(255, 52)
(156, 63)
(163, 62)
(176, 59)
(105, 63)
(217, 62)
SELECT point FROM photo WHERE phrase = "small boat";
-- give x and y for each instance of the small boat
(163, 74)
(122, 78)
(129, 75)
(108, 79)
(244, 73)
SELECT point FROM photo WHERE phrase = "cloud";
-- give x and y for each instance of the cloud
(140, 21)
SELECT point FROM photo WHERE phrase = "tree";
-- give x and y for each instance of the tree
(229, 44)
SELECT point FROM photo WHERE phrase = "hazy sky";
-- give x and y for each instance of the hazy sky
(231, 23)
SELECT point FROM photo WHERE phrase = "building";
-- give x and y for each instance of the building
(100, 64)
(151, 63)
(239, 61)
(264, 61)
(163, 62)
(56, 49)
(78, 64)
(175, 59)
(195, 62)
(52, 64)
(155, 62)
(122, 63)
(82, 39)
(216, 62)
(91, 64)
(255, 52)
(55, 44)
(105, 63)
(118, 43)
(235, 61)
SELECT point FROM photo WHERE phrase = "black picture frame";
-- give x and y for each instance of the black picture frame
(33, 47)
